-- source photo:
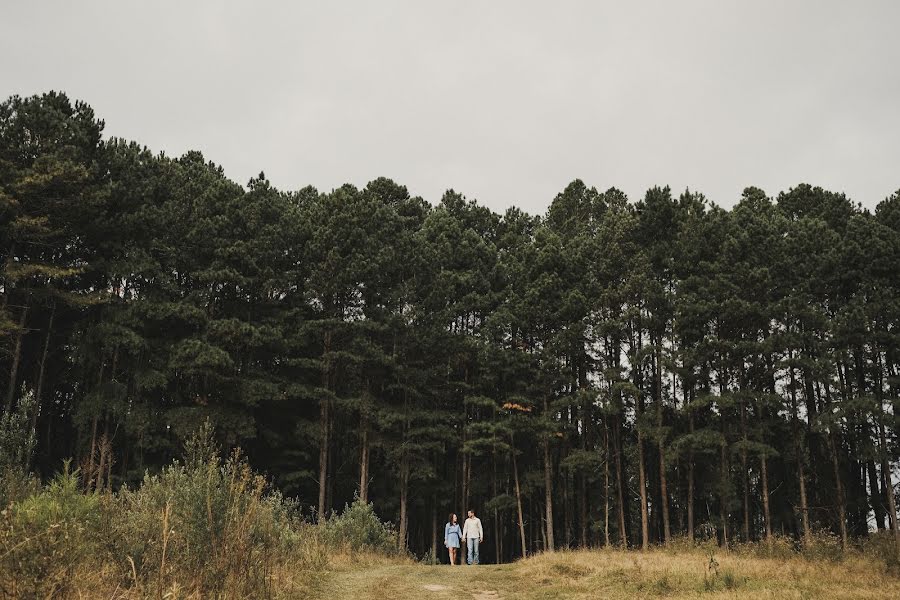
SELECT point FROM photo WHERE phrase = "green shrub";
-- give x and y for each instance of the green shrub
(47, 536)
(17, 442)
(211, 525)
(881, 546)
(781, 547)
(358, 529)
(822, 545)
(208, 528)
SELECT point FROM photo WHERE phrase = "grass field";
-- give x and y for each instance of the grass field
(611, 574)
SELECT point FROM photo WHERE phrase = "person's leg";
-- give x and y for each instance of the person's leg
(475, 543)
(452, 556)
(470, 545)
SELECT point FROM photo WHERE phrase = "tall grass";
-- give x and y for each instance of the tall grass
(207, 527)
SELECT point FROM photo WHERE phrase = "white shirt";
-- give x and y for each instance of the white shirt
(472, 529)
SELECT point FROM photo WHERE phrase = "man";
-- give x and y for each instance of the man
(474, 535)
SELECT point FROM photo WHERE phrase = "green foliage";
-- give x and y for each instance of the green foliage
(435, 352)
(17, 442)
(210, 527)
(211, 522)
(49, 536)
(358, 529)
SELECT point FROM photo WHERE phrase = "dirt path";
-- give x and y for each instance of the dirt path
(398, 582)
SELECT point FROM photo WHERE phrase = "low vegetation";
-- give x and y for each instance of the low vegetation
(208, 526)
(611, 574)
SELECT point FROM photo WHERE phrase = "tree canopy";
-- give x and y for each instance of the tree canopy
(612, 372)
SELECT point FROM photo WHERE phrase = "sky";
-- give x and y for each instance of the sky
(505, 102)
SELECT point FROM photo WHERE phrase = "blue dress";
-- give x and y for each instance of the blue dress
(452, 535)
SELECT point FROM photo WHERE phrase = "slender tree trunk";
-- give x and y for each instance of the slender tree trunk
(876, 497)
(842, 506)
(567, 512)
(324, 431)
(801, 475)
(17, 356)
(364, 460)
(38, 399)
(515, 467)
(838, 481)
(434, 529)
(583, 508)
(663, 488)
(885, 457)
(745, 472)
(404, 497)
(606, 484)
(496, 512)
(465, 463)
(642, 483)
(764, 475)
(724, 508)
(324, 428)
(90, 471)
(548, 495)
(364, 446)
(620, 483)
(690, 492)
(639, 411)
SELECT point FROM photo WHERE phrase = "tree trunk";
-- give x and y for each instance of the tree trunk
(518, 498)
(548, 495)
(885, 457)
(364, 461)
(764, 475)
(606, 484)
(17, 356)
(838, 482)
(567, 512)
(724, 508)
(642, 474)
(842, 506)
(40, 382)
(404, 497)
(801, 475)
(324, 428)
(875, 495)
(690, 498)
(745, 472)
(496, 512)
(663, 488)
(434, 529)
(620, 483)
(324, 431)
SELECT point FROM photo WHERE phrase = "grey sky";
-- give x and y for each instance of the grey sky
(505, 102)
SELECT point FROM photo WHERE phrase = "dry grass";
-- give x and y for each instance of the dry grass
(613, 575)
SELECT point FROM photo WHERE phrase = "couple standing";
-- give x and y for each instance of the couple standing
(472, 533)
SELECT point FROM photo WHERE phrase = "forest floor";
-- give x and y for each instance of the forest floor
(613, 575)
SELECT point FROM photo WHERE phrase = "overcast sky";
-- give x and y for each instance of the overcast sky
(505, 102)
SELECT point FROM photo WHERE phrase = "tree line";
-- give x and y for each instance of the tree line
(609, 373)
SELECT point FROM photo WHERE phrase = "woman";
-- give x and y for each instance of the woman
(452, 535)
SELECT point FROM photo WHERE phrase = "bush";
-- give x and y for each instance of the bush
(210, 525)
(46, 537)
(207, 528)
(358, 529)
(781, 547)
(17, 442)
(882, 547)
(823, 545)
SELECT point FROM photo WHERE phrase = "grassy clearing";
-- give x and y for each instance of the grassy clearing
(613, 574)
